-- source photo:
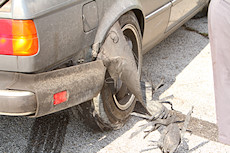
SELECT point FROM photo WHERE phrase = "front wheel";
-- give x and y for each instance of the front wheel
(111, 111)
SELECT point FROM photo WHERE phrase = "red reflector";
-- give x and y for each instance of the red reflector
(60, 97)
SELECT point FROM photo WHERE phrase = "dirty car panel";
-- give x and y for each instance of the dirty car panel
(78, 86)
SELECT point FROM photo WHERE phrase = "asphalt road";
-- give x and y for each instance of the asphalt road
(183, 60)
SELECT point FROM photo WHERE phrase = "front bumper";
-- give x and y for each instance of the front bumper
(33, 94)
(17, 103)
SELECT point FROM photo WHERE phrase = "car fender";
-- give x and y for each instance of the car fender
(111, 15)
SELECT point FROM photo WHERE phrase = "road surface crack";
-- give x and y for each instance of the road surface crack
(204, 34)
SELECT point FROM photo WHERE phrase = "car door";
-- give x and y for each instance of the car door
(157, 14)
(181, 9)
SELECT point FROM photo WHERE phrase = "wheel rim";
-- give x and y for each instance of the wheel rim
(123, 99)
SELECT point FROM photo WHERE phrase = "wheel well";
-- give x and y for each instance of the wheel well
(140, 18)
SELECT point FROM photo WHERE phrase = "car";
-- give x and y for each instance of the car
(58, 54)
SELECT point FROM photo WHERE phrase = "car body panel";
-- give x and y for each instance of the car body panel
(60, 40)
(149, 6)
(155, 25)
(181, 9)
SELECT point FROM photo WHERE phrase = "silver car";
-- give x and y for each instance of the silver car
(58, 54)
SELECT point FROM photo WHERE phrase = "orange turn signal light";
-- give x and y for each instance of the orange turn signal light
(18, 37)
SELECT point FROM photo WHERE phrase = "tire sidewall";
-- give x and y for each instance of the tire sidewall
(116, 116)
